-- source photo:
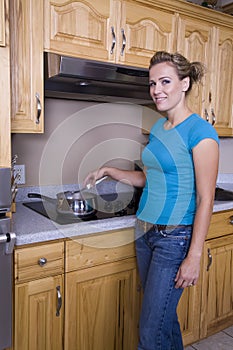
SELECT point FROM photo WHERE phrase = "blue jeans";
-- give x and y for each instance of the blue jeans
(159, 255)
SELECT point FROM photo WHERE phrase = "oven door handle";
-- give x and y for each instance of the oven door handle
(9, 240)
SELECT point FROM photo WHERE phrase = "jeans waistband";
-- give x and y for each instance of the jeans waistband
(146, 226)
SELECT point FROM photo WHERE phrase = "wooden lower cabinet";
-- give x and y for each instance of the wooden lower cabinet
(217, 286)
(101, 295)
(102, 307)
(37, 324)
(189, 314)
(102, 292)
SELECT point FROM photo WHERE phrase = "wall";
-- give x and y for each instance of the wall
(79, 137)
(219, 3)
(82, 136)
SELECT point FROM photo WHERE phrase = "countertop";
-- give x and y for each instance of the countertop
(31, 227)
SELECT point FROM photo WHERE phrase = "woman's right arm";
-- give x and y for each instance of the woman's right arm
(130, 177)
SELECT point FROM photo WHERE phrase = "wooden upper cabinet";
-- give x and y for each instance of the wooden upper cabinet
(194, 41)
(26, 23)
(5, 131)
(223, 99)
(108, 30)
(78, 28)
(147, 29)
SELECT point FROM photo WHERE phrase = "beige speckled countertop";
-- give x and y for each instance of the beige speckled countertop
(31, 227)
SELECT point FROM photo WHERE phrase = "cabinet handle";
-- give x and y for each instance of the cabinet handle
(123, 41)
(39, 108)
(42, 261)
(207, 118)
(213, 116)
(231, 219)
(113, 40)
(59, 301)
(210, 259)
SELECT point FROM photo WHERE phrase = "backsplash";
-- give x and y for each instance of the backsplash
(97, 134)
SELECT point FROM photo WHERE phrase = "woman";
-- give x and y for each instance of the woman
(175, 208)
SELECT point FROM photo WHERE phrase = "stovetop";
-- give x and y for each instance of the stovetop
(114, 206)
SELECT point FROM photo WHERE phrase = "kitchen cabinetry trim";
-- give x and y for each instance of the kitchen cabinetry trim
(185, 8)
(2, 23)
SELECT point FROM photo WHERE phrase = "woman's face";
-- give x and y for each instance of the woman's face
(166, 90)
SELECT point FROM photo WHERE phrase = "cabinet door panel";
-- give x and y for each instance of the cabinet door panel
(217, 291)
(189, 314)
(27, 65)
(78, 28)
(194, 42)
(102, 305)
(36, 325)
(224, 84)
(147, 30)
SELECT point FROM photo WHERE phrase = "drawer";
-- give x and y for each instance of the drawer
(221, 224)
(39, 261)
(99, 249)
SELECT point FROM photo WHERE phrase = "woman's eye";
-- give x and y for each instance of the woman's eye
(151, 83)
(165, 81)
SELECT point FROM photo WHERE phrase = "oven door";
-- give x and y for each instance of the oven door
(7, 241)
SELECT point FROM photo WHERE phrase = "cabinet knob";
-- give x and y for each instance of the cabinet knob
(42, 261)
(231, 219)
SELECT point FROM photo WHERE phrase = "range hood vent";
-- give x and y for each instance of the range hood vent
(80, 79)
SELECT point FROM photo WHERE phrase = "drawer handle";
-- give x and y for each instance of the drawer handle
(39, 108)
(59, 301)
(207, 118)
(213, 116)
(210, 259)
(42, 261)
(231, 219)
(113, 40)
(123, 41)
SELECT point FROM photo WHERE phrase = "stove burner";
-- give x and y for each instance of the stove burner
(112, 208)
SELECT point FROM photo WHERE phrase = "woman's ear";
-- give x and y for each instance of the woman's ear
(185, 82)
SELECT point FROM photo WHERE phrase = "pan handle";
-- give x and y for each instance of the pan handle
(38, 195)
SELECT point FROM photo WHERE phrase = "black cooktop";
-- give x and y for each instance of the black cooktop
(126, 205)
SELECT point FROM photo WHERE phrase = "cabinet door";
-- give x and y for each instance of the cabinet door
(217, 288)
(26, 20)
(5, 128)
(102, 307)
(223, 99)
(195, 42)
(79, 28)
(189, 313)
(37, 326)
(147, 29)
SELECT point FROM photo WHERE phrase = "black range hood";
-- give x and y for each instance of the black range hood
(81, 79)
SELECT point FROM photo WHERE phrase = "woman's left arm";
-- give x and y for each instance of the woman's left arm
(205, 158)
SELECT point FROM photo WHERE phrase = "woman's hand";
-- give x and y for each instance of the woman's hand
(93, 176)
(130, 177)
(188, 272)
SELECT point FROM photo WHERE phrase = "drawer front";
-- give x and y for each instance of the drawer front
(39, 261)
(99, 249)
(221, 224)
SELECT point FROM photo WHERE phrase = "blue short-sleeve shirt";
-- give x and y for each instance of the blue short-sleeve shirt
(169, 196)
